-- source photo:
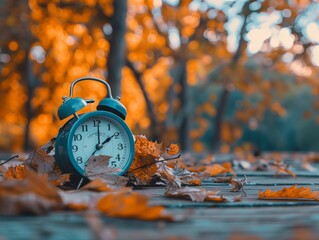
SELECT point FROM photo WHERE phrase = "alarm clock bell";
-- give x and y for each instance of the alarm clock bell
(71, 106)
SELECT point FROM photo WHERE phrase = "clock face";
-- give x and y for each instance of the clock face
(101, 135)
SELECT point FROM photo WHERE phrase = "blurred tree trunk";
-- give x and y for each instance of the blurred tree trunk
(30, 85)
(155, 128)
(222, 103)
(184, 98)
(116, 58)
(27, 75)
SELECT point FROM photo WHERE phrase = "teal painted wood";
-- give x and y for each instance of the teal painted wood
(250, 218)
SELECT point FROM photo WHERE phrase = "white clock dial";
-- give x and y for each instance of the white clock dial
(101, 136)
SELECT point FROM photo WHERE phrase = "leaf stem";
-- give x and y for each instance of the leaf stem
(15, 156)
(146, 165)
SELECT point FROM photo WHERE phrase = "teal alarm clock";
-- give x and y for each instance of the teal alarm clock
(100, 132)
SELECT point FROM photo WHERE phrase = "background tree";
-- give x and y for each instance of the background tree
(208, 74)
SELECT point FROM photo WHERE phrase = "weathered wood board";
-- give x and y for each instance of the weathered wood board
(249, 219)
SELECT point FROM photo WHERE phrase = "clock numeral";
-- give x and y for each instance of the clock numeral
(84, 128)
(96, 122)
(118, 157)
(79, 160)
(120, 146)
(113, 164)
(75, 148)
(116, 135)
(77, 137)
(109, 126)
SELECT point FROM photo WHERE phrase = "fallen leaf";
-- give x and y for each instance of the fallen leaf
(31, 195)
(208, 160)
(145, 147)
(60, 180)
(76, 206)
(172, 149)
(308, 167)
(131, 205)
(228, 168)
(223, 179)
(281, 168)
(98, 167)
(214, 169)
(97, 185)
(146, 156)
(199, 195)
(238, 185)
(196, 168)
(293, 192)
(41, 161)
(217, 169)
(179, 174)
(16, 172)
(188, 178)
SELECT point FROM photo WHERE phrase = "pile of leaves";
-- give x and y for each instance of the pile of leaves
(37, 186)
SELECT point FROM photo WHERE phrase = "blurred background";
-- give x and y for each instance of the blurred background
(211, 75)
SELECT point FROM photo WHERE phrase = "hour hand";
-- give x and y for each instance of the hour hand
(108, 139)
(100, 145)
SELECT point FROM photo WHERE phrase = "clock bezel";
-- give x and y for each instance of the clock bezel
(64, 153)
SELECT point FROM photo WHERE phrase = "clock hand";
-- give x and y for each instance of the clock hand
(108, 139)
(100, 145)
(98, 134)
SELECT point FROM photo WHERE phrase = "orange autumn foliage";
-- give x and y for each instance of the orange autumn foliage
(131, 205)
(293, 192)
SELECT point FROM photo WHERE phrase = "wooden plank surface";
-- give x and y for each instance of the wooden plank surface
(249, 219)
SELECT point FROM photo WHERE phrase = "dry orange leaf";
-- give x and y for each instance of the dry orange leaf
(172, 149)
(178, 161)
(228, 168)
(97, 185)
(282, 168)
(16, 172)
(76, 206)
(223, 168)
(31, 195)
(214, 169)
(292, 192)
(146, 155)
(60, 180)
(145, 147)
(131, 205)
(196, 169)
(41, 161)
